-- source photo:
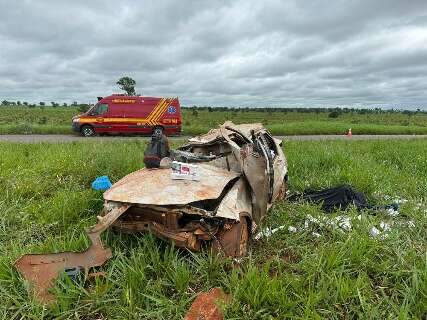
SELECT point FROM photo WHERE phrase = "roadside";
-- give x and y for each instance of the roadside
(53, 138)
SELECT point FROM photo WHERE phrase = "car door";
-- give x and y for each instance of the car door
(99, 117)
(257, 167)
(119, 121)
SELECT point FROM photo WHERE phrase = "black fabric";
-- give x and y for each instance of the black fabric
(339, 197)
(157, 149)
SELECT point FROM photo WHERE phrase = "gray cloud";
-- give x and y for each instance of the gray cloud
(239, 53)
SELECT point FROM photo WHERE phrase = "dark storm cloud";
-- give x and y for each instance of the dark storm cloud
(255, 53)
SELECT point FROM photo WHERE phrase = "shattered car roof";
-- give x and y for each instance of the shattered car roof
(156, 187)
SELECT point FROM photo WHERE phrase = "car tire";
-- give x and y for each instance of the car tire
(87, 131)
(233, 240)
(158, 131)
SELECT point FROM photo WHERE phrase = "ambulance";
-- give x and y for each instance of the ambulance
(120, 113)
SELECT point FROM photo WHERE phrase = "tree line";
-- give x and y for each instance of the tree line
(333, 112)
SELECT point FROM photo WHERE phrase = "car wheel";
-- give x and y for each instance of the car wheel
(158, 131)
(233, 239)
(87, 131)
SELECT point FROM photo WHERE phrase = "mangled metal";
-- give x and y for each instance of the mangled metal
(41, 270)
(241, 171)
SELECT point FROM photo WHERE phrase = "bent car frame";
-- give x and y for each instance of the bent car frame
(242, 171)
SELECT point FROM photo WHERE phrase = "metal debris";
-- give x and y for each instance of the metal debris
(41, 270)
(207, 306)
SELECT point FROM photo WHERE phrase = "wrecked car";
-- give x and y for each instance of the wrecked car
(240, 170)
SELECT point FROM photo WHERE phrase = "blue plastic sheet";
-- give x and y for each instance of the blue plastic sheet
(101, 183)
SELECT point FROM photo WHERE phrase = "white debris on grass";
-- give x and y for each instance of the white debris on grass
(292, 229)
(267, 232)
(400, 200)
(392, 213)
(411, 224)
(374, 232)
(342, 222)
(385, 226)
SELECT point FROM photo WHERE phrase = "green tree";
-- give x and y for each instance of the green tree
(41, 103)
(127, 84)
(334, 114)
(4, 103)
(83, 107)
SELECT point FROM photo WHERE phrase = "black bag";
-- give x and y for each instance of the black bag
(339, 197)
(157, 149)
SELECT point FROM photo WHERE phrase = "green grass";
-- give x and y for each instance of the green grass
(46, 203)
(49, 120)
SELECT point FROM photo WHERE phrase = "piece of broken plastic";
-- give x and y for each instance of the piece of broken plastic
(101, 183)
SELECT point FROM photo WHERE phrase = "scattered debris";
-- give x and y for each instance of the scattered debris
(392, 212)
(292, 229)
(374, 232)
(207, 306)
(266, 233)
(342, 222)
(385, 226)
(400, 200)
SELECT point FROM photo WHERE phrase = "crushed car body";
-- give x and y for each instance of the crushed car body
(241, 172)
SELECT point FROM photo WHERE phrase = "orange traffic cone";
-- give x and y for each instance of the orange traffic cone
(349, 134)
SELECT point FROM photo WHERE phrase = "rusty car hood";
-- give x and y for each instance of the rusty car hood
(155, 187)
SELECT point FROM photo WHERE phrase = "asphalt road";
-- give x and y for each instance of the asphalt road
(52, 138)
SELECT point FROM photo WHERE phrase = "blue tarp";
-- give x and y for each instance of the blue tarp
(101, 183)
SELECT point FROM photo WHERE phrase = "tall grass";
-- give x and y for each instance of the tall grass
(46, 203)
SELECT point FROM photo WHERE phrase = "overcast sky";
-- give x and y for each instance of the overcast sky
(232, 53)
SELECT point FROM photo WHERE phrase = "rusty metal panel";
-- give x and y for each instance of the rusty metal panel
(155, 186)
(41, 270)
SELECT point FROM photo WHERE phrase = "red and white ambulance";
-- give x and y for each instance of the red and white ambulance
(119, 113)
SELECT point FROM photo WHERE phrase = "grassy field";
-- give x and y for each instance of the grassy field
(49, 120)
(46, 202)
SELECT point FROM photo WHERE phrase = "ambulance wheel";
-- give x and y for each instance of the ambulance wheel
(158, 131)
(87, 131)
